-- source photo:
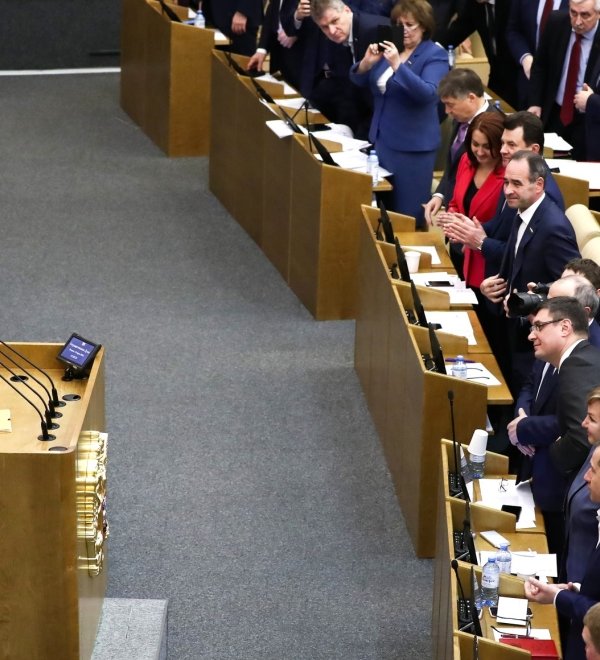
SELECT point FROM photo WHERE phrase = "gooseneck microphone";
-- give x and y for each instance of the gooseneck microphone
(464, 605)
(45, 435)
(454, 475)
(55, 400)
(18, 379)
(50, 405)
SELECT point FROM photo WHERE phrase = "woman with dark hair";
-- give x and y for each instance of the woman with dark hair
(405, 128)
(479, 181)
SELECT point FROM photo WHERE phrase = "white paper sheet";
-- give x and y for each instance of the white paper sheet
(455, 323)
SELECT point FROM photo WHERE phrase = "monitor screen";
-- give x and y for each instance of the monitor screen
(78, 353)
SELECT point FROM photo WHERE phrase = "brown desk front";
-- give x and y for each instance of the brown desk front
(166, 77)
(52, 542)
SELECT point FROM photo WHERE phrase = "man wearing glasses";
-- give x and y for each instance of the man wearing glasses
(559, 334)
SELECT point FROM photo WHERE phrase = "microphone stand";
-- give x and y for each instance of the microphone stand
(45, 435)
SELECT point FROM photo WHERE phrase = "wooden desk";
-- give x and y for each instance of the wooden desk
(52, 547)
(166, 77)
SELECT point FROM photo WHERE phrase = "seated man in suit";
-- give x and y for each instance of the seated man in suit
(541, 242)
(571, 600)
(536, 427)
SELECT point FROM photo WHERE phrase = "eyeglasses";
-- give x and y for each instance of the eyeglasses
(538, 326)
(408, 28)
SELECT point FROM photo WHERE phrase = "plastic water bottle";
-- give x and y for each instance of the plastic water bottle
(199, 20)
(451, 57)
(459, 368)
(490, 581)
(477, 466)
(497, 105)
(465, 470)
(373, 166)
(504, 558)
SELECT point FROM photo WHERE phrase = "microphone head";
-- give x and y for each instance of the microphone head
(450, 395)
(454, 564)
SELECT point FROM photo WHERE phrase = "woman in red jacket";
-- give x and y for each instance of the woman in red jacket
(479, 181)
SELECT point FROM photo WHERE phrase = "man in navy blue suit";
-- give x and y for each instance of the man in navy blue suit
(571, 600)
(238, 19)
(536, 427)
(541, 242)
(525, 25)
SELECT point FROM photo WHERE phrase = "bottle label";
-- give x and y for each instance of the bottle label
(490, 581)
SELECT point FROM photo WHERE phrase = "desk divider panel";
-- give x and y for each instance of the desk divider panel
(324, 229)
(224, 177)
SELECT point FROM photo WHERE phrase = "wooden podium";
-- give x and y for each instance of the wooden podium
(165, 77)
(52, 511)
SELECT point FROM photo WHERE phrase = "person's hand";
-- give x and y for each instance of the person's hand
(542, 593)
(391, 54)
(581, 98)
(466, 230)
(535, 110)
(238, 23)
(526, 64)
(256, 61)
(431, 208)
(302, 10)
(443, 219)
(512, 427)
(493, 288)
(284, 40)
(371, 57)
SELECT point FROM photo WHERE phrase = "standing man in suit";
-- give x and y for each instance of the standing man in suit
(238, 19)
(461, 91)
(587, 100)
(526, 22)
(541, 242)
(489, 19)
(285, 54)
(569, 601)
(535, 427)
(565, 59)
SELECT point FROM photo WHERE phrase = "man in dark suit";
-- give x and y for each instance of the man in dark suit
(348, 34)
(555, 77)
(587, 100)
(489, 20)
(462, 93)
(541, 242)
(569, 601)
(535, 427)
(522, 131)
(285, 52)
(526, 21)
(238, 19)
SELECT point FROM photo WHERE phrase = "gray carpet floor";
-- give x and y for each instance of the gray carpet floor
(246, 483)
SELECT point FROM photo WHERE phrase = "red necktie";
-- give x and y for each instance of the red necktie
(567, 109)
(545, 13)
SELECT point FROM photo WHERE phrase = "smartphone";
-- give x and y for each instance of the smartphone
(439, 283)
(393, 33)
(494, 611)
(509, 508)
